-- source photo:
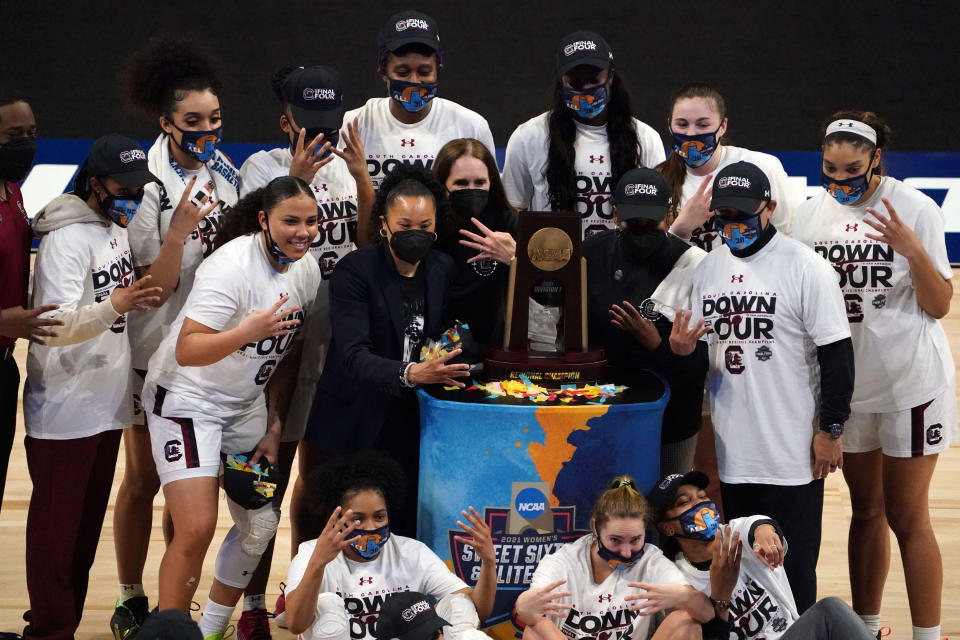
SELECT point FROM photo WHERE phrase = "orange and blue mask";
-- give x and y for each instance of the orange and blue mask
(847, 191)
(120, 209)
(699, 522)
(738, 233)
(371, 541)
(695, 149)
(588, 103)
(413, 96)
(616, 561)
(200, 145)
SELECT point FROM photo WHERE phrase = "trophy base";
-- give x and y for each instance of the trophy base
(573, 367)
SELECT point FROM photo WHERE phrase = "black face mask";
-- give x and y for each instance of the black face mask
(16, 158)
(469, 203)
(642, 243)
(411, 245)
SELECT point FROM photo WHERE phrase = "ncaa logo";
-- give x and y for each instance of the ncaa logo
(134, 154)
(530, 503)
(579, 45)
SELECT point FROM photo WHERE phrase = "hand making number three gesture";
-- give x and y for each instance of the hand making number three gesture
(893, 231)
(335, 536)
(307, 159)
(269, 322)
(493, 245)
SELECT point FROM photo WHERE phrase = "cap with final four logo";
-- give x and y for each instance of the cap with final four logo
(742, 186)
(409, 27)
(315, 97)
(120, 158)
(408, 616)
(642, 193)
(583, 47)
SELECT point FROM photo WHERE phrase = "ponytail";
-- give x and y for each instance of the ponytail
(244, 217)
(622, 499)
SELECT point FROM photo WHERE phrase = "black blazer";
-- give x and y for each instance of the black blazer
(360, 383)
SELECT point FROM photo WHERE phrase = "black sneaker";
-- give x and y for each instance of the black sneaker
(128, 616)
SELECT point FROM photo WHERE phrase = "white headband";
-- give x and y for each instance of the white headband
(855, 127)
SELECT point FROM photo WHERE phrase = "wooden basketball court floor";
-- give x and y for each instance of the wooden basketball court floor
(832, 570)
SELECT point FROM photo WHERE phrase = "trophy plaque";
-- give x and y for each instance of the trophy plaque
(545, 337)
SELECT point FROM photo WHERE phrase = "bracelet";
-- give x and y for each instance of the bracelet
(404, 379)
(719, 605)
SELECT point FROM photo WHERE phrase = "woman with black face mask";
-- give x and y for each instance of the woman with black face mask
(635, 280)
(385, 301)
(479, 234)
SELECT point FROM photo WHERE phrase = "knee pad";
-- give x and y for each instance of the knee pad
(257, 526)
(331, 622)
(458, 610)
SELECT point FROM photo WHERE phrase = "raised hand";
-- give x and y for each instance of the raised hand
(307, 160)
(438, 371)
(269, 322)
(629, 320)
(187, 215)
(353, 153)
(493, 245)
(17, 322)
(335, 536)
(683, 337)
(894, 232)
(542, 601)
(695, 211)
(480, 538)
(725, 568)
(135, 297)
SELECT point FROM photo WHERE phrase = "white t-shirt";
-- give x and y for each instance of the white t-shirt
(769, 312)
(233, 282)
(404, 564)
(80, 390)
(388, 142)
(599, 610)
(336, 193)
(762, 605)
(525, 168)
(147, 231)
(788, 199)
(880, 296)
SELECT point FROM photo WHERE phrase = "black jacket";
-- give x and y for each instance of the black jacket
(360, 384)
(614, 276)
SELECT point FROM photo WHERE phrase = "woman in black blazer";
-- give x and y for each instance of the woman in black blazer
(386, 299)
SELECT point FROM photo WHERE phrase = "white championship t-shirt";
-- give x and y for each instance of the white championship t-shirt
(389, 142)
(525, 169)
(879, 293)
(234, 281)
(599, 610)
(147, 231)
(769, 312)
(762, 605)
(336, 193)
(788, 199)
(80, 390)
(404, 564)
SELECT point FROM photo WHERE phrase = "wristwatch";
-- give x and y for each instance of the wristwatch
(719, 605)
(834, 430)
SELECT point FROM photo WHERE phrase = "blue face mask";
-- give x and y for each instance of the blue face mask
(586, 104)
(274, 249)
(120, 209)
(329, 135)
(200, 145)
(699, 522)
(738, 233)
(371, 541)
(413, 96)
(697, 149)
(615, 560)
(847, 191)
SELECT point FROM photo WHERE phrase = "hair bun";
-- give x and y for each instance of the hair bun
(623, 481)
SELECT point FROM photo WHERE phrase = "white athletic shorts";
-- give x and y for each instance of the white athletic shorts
(928, 428)
(187, 444)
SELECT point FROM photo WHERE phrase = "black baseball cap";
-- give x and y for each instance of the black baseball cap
(408, 616)
(662, 495)
(642, 193)
(409, 27)
(246, 487)
(742, 186)
(120, 158)
(170, 624)
(583, 47)
(315, 96)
